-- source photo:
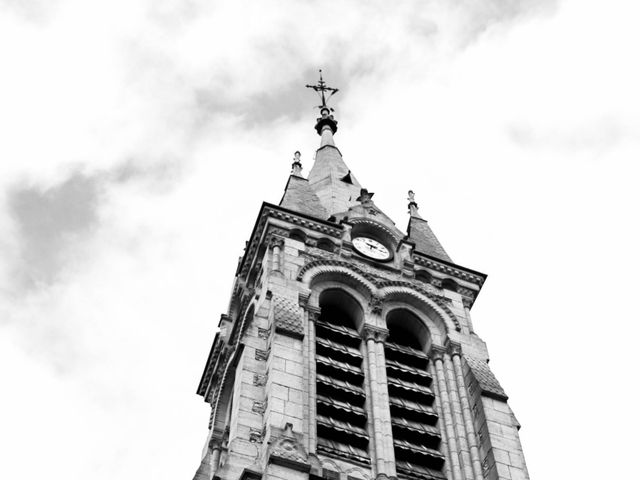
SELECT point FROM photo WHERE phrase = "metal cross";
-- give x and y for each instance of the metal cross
(321, 87)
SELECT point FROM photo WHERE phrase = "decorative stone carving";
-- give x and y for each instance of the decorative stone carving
(259, 380)
(262, 355)
(377, 334)
(263, 333)
(256, 435)
(375, 304)
(382, 280)
(286, 449)
(287, 317)
(313, 313)
(303, 298)
(437, 352)
(454, 348)
(259, 407)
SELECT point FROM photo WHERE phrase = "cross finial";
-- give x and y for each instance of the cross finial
(321, 88)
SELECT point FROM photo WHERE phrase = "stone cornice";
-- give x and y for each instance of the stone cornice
(450, 269)
(295, 218)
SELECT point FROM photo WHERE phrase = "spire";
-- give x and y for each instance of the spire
(420, 233)
(330, 178)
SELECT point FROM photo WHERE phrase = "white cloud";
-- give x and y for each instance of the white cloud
(517, 127)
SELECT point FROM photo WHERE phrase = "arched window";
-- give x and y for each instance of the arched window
(326, 244)
(298, 235)
(450, 284)
(416, 436)
(423, 276)
(340, 396)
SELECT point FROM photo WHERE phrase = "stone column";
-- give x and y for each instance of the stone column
(466, 414)
(463, 446)
(452, 443)
(385, 411)
(215, 458)
(276, 243)
(441, 426)
(313, 313)
(369, 335)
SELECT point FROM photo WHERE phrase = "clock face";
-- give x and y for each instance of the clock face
(371, 248)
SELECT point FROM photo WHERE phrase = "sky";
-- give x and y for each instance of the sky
(138, 140)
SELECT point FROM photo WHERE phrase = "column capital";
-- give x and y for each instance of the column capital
(454, 348)
(312, 312)
(437, 352)
(275, 240)
(371, 332)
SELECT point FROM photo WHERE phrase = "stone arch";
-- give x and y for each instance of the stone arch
(415, 321)
(327, 271)
(442, 320)
(330, 465)
(358, 473)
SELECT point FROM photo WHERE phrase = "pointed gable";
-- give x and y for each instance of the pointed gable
(299, 196)
(420, 233)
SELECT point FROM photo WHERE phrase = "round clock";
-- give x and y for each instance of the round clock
(371, 248)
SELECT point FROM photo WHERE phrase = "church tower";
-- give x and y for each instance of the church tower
(348, 352)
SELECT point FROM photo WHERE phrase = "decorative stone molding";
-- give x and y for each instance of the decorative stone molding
(273, 211)
(259, 407)
(313, 313)
(375, 304)
(256, 435)
(273, 230)
(287, 450)
(259, 380)
(454, 348)
(303, 298)
(477, 278)
(437, 352)
(250, 474)
(373, 280)
(262, 355)
(287, 318)
(377, 334)
(263, 333)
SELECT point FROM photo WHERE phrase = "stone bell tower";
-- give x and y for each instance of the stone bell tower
(348, 352)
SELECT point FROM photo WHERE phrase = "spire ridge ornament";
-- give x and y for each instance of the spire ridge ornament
(296, 166)
(413, 206)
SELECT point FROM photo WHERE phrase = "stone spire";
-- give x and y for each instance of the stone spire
(330, 178)
(420, 233)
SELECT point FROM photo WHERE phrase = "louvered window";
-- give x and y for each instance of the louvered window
(341, 419)
(414, 421)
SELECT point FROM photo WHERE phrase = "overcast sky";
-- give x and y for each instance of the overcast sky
(138, 140)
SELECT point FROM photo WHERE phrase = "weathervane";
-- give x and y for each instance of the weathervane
(321, 87)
